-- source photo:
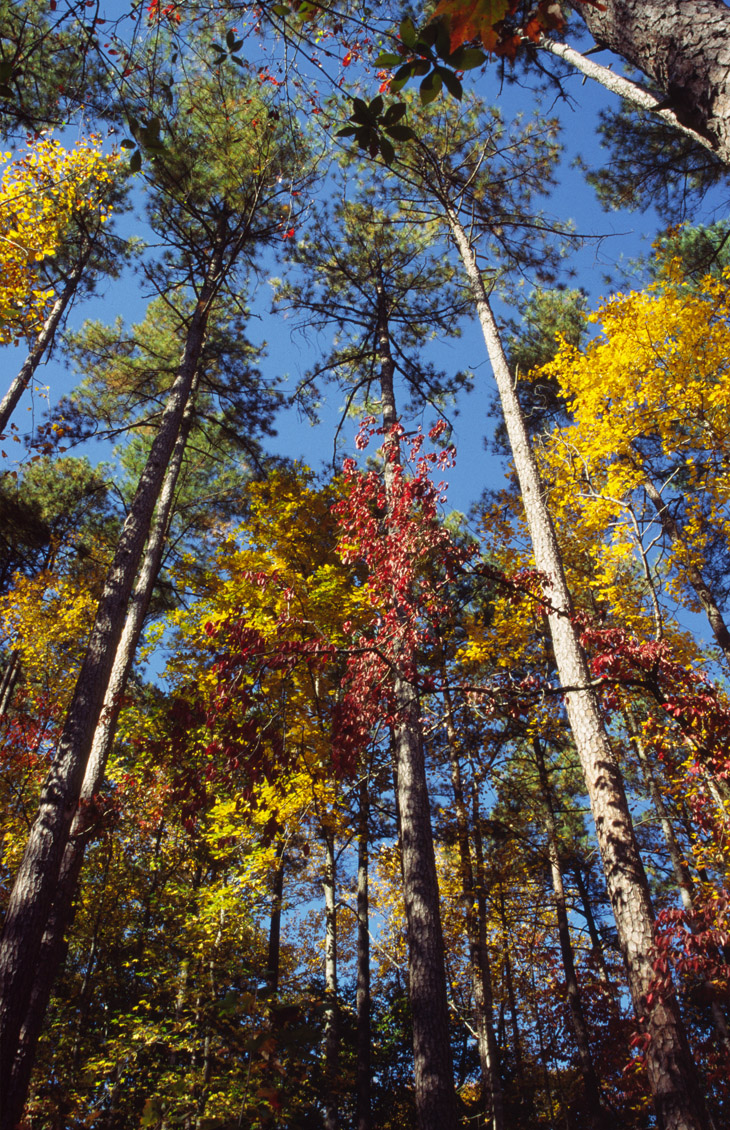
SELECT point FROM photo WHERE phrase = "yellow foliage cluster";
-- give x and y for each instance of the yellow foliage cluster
(47, 618)
(41, 193)
(650, 399)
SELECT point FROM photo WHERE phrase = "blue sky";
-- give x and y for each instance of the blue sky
(614, 240)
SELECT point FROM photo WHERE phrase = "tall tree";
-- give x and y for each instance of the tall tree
(214, 201)
(445, 173)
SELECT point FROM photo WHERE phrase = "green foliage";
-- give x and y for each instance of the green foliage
(651, 165)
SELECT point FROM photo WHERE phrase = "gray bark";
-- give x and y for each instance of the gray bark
(683, 47)
(671, 1070)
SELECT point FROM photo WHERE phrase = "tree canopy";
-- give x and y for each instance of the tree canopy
(326, 806)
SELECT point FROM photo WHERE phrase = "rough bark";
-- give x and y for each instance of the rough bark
(623, 87)
(683, 47)
(432, 1061)
(362, 990)
(33, 891)
(55, 941)
(42, 343)
(596, 1112)
(670, 1068)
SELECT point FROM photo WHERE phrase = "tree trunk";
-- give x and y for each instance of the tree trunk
(274, 950)
(11, 674)
(683, 46)
(593, 934)
(623, 87)
(670, 1067)
(433, 1070)
(331, 1017)
(475, 917)
(42, 342)
(362, 991)
(55, 937)
(682, 876)
(33, 891)
(694, 576)
(595, 1109)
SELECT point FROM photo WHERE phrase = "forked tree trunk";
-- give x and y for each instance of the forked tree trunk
(683, 47)
(670, 1067)
(55, 936)
(596, 1111)
(37, 877)
(362, 991)
(432, 1062)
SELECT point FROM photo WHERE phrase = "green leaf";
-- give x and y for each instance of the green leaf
(135, 162)
(442, 39)
(426, 38)
(430, 88)
(281, 10)
(401, 77)
(387, 59)
(348, 131)
(408, 32)
(376, 106)
(230, 40)
(394, 113)
(127, 144)
(387, 152)
(360, 111)
(400, 133)
(451, 83)
(466, 58)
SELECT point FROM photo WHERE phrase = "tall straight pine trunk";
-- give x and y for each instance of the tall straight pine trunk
(434, 1081)
(54, 944)
(33, 892)
(671, 1070)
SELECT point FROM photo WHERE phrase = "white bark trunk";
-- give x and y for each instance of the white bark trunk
(671, 1071)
